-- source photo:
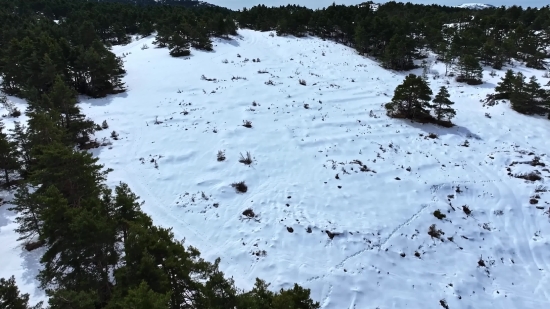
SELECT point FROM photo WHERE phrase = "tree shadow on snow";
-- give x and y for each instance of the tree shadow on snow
(441, 131)
(4, 214)
(229, 41)
(30, 261)
(103, 101)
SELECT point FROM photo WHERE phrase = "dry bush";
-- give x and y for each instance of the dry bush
(246, 160)
(221, 156)
(434, 232)
(439, 215)
(247, 123)
(240, 187)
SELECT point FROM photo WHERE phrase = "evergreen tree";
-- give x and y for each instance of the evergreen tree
(361, 40)
(142, 297)
(21, 138)
(506, 86)
(442, 105)
(27, 207)
(74, 173)
(411, 99)
(470, 70)
(11, 298)
(81, 246)
(9, 156)
(398, 55)
(261, 297)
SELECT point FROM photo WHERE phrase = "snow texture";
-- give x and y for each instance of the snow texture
(343, 196)
(475, 6)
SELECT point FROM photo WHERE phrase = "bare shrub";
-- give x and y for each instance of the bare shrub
(246, 160)
(434, 232)
(481, 262)
(221, 156)
(270, 83)
(238, 77)
(439, 215)
(208, 79)
(533, 176)
(114, 135)
(433, 135)
(249, 213)
(240, 187)
(247, 123)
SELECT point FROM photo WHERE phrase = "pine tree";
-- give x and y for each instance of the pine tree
(142, 297)
(11, 298)
(81, 245)
(74, 173)
(21, 138)
(397, 55)
(9, 155)
(411, 99)
(260, 297)
(470, 70)
(29, 220)
(442, 105)
(506, 86)
(361, 40)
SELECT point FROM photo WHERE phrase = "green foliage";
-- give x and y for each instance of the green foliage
(506, 86)
(9, 154)
(411, 99)
(526, 98)
(260, 297)
(10, 297)
(142, 297)
(442, 105)
(469, 70)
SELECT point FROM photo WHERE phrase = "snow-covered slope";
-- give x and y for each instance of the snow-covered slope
(475, 6)
(343, 196)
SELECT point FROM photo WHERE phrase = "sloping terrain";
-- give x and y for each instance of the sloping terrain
(340, 198)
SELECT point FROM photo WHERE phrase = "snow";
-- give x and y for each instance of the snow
(475, 6)
(373, 216)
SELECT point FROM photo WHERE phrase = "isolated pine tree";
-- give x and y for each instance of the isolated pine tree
(443, 105)
(411, 99)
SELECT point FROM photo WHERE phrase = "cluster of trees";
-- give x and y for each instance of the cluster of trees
(413, 100)
(525, 97)
(100, 249)
(398, 33)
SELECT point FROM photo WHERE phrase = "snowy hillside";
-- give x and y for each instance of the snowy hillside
(340, 197)
(475, 6)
